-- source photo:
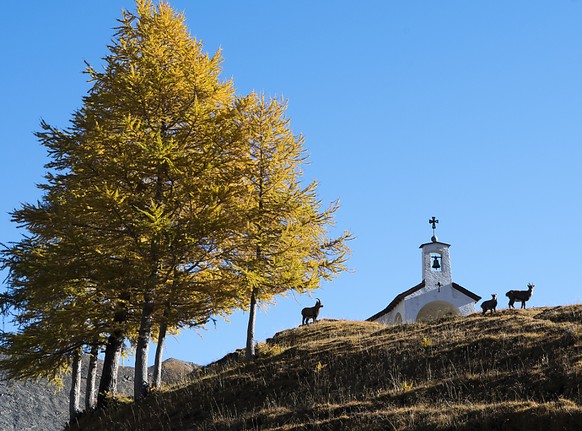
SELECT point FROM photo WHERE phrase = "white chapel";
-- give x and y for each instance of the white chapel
(435, 296)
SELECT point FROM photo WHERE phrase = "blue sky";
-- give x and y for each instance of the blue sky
(467, 111)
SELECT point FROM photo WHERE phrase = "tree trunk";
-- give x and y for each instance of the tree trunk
(141, 380)
(157, 377)
(90, 392)
(108, 383)
(250, 351)
(75, 393)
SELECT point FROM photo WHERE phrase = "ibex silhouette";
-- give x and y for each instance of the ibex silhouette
(490, 304)
(520, 295)
(311, 312)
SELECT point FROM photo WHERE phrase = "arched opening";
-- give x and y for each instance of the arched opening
(398, 318)
(436, 260)
(436, 310)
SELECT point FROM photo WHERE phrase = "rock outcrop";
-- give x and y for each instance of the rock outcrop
(27, 405)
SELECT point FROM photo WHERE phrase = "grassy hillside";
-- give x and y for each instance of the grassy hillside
(516, 370)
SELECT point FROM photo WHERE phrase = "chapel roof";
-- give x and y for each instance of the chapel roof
(416, 288)
(435, 242)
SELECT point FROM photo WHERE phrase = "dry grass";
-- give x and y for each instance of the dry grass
(515, 370)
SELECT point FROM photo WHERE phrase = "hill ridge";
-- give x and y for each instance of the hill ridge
(516, 369)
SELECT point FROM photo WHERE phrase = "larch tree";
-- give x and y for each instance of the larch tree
(64, 289)
(53, 302)
(148, 176)
(159, 115)
(60, 282)
(284, 243)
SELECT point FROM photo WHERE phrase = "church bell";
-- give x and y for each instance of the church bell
(435, 263)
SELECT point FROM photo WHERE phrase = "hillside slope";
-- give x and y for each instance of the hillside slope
(516, 370)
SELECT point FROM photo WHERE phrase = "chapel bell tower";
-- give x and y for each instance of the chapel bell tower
(436, 261)
(436, 296)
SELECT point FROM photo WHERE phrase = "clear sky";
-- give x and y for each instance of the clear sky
(469, 111)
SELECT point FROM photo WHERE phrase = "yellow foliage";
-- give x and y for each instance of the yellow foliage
(407, 385)
(426, 343)
(320, 367)
(268, 350)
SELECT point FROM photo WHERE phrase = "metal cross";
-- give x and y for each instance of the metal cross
(433, 222)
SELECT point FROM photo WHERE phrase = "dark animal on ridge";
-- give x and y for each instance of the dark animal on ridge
(490, 304)
(520, 295)
(311, 312)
